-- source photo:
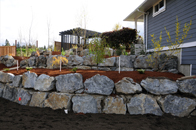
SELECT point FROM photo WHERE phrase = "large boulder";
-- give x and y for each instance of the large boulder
(177, 106)
(41, 61)
(87, 103)
(171, 63)
(124, 69)
(159, 86)
(1, 89)
(88, 60)
(17, 81)
(83, 67)
(143, 104)
(50, 61)
(125, 61)
(127, 86)
(6, 77)
(99, 84)
(8, 60)
(44, 83)
(69, 83)
(10, 93)
(141, 62)
(24, 63)
(75, 60)
(187, 86)
(38, 98)
(109, 51)
(31, 62)
(25, 96)
(114, 105)
(108, 62)
(58, 101)
(29, 79)
(84, 52)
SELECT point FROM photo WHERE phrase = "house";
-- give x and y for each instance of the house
(157, 14)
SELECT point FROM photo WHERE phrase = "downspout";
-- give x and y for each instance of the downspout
(147, 29)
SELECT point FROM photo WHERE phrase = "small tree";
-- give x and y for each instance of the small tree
(173, 48)
(7, 43)
(154, 58)
(96, 48)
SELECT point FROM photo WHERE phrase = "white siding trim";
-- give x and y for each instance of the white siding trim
(185, 45)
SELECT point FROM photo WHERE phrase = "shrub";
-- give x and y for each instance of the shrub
(29, 68)
(6, 69)
(123, 36)
(74, 69)
(56, 61)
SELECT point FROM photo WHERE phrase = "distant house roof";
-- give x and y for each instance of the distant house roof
(80, 32)
(139, 11)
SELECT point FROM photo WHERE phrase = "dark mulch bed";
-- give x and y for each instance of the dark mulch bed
(17, 117)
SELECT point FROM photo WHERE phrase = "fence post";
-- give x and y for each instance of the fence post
(15, 47)
(37, 44)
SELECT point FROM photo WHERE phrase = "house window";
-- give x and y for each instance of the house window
(159, 7)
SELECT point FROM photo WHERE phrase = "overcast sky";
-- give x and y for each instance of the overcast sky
(16, 17)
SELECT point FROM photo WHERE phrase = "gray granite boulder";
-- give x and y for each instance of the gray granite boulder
(171, 63)
(69, 83)
(143, 104)
(114, 105)
(88, 60)
(187, 86)
(108, 62)
(177, 106)
(31, 62)
(24, 63)
(58, 101)
(124, 69)
(38, 98)
(50, 61)
(10, 93)
(25, 96)
(127, 86)
(2, 86)
(99, 84)
(87, 103)
(103, 68)
(142, 63)
(17, 81)
(159, 86)
(85, 52)
(29, 79)
(125, 61)
(6, 77)
(45, 83)
(83, 67)
(8, 60)
(75, 60)
(41, 61)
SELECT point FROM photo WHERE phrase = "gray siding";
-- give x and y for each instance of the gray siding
(184, 9)
(189, 57)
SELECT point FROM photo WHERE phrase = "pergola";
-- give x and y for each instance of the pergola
(76, 36)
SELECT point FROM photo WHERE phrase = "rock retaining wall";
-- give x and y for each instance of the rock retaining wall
(127, 63)
(99, 94)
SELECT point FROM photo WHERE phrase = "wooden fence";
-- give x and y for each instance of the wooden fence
(7, 50)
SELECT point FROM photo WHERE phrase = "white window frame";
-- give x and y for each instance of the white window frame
(160, 9)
